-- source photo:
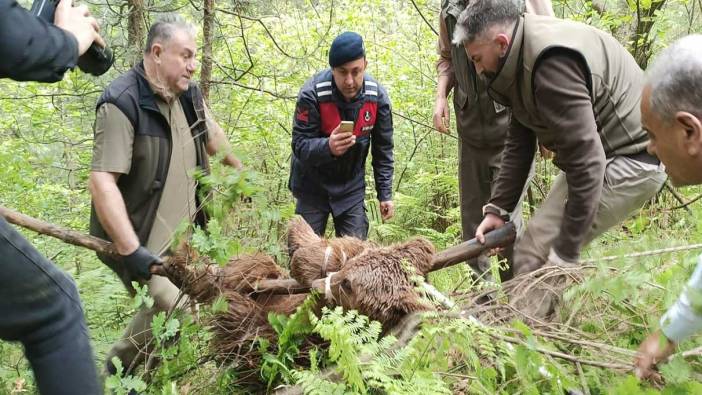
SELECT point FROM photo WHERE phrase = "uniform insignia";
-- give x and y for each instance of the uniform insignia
(302, 114)
(367, 116)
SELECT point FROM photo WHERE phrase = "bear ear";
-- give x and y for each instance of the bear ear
(422, 253)
(300, 234)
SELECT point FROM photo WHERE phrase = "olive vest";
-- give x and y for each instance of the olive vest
(151, 152)
(614, 81)
(481, 122)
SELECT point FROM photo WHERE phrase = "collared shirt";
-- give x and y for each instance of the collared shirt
(112, 152)
(684, 318)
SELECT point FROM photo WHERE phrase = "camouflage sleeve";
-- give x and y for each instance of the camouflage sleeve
(684, 318)
(444, 66)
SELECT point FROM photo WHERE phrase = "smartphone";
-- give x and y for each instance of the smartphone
(346, 126)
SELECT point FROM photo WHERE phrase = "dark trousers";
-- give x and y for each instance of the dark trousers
(477, 172)
(352, 222)
(40, 308)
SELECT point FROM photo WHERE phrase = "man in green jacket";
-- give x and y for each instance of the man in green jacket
(577, 90)
(481, 123)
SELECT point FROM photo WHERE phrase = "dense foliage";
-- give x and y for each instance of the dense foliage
(262, 52)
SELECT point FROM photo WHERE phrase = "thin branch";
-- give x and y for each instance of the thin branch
(407, 118)
(689, 202)
(272, 37)
(424, 18)
(240, 85)
(51, 95)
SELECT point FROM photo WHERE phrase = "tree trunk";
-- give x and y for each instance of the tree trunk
(641, 40)
(136, 30)
(207, 34)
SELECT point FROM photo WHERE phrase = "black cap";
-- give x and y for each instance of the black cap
(346, 47)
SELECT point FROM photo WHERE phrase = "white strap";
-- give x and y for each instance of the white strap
(327, 254)
(327, 288)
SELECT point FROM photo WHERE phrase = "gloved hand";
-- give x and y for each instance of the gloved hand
(139, 262)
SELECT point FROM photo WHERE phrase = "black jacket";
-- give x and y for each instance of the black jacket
(320, 178)
(32, 49)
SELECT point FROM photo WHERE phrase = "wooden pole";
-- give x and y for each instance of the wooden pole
(69, 236)
(500, 237)
(469, 249)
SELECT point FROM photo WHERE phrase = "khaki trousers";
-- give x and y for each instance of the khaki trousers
(135, 347)
(477, 171)
(628, 184)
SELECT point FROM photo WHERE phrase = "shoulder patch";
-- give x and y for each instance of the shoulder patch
(302, 114)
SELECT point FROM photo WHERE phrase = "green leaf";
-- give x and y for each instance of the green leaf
(677, 371)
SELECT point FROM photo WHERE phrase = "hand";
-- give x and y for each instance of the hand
(654, 349)
(545, 152)
(442, 117)
(387, 209)
(78, 22)
(140, 262)
(340, 142)
(490, 222)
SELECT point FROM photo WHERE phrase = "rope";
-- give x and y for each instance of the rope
(328, 295)
(327, 254)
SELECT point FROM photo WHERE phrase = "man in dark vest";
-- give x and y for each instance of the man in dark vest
(39, 303)
(481, 123)
(671, 113)
(152, 130)
(577, 90)
(327, 174)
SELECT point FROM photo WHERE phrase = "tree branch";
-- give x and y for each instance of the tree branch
(424, 18)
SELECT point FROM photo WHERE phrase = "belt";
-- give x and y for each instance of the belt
(644, 157)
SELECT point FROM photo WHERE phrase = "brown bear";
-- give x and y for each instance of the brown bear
(312, 257)
(379, 282)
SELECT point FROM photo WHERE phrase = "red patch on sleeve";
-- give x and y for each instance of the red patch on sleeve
(302, 114)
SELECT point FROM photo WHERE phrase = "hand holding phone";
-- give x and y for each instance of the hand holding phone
(346, 126)
(342, 138)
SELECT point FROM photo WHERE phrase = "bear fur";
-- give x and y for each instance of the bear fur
(312, 257)
(378, 283)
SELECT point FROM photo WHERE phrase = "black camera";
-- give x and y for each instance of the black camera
(96, 60)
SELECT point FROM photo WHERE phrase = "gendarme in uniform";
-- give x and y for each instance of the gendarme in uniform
(324, 184)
